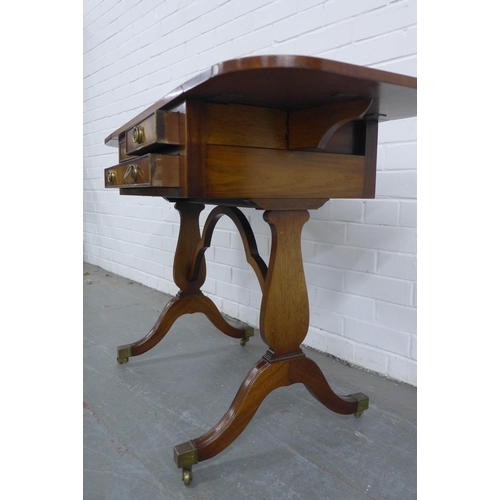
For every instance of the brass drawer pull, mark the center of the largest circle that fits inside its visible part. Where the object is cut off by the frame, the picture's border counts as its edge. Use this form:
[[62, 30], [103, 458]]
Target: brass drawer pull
[[161, 128], [138, 134], [150, 170], [132, 171]]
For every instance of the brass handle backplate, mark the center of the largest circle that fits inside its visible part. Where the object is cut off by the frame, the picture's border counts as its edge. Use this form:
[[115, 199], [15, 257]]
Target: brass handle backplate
[[132, 171], [111, 176], [138, 134]]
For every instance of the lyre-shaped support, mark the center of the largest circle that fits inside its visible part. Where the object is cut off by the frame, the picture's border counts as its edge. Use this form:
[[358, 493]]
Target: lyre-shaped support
[[246, 233], [190, 299], [284, 321]]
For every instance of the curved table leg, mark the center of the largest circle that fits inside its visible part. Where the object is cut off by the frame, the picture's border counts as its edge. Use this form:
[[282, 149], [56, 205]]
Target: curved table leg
[[284, 320], [264, 377], [307, 372], [189, 299], [177, 307], [210, 310]]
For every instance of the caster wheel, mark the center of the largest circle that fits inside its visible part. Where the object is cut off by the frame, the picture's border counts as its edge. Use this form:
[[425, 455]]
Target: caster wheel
[[187, 475], [363, 403], [124, 352], [248, 333]]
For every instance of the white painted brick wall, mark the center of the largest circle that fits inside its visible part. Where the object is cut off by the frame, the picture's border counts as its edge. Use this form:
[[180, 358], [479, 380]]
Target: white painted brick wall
[[359, 255]]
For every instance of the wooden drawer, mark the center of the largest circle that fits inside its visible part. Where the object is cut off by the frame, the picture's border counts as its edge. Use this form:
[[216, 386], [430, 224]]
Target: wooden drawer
[[150, 170], [159, 129]]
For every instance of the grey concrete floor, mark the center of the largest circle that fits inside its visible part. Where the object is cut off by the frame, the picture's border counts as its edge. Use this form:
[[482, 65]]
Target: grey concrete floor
[[294, 448]]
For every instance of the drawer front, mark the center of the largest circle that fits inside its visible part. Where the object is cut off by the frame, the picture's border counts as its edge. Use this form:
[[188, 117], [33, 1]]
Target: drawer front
[[159, 129], [146, 171]]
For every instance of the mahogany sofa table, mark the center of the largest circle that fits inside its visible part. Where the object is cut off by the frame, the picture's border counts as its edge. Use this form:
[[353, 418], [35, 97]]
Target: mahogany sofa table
[[281, 134]]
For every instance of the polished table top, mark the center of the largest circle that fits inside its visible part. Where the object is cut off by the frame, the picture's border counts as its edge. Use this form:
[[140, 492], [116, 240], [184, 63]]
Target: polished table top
[[263, 128], [292, 82]]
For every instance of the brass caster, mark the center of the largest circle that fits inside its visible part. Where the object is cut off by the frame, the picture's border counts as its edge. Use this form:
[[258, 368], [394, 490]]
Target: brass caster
[[187, 475], [124, 352], [185, 456], [363, 402], [248, 333]]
